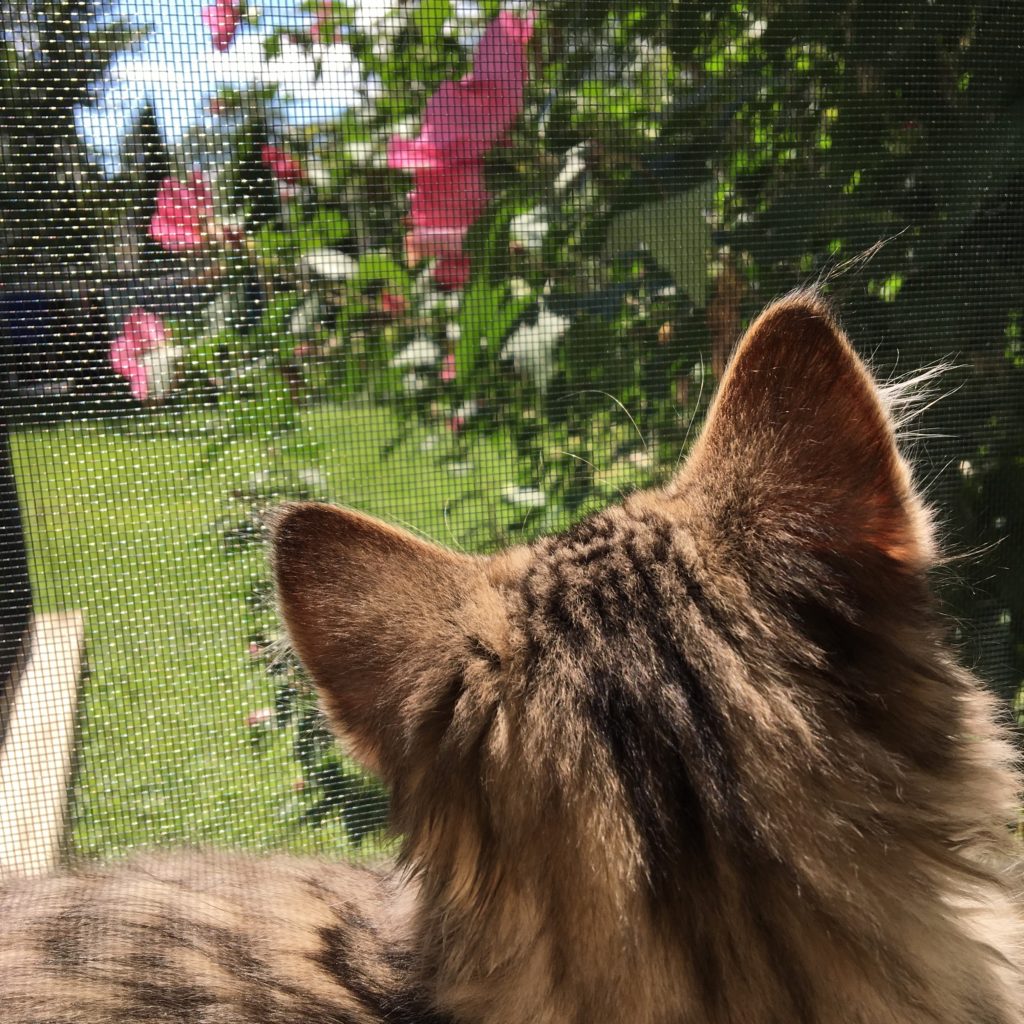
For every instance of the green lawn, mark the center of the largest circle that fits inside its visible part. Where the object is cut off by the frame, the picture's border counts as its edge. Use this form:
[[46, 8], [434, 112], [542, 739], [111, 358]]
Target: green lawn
[[126, 520]]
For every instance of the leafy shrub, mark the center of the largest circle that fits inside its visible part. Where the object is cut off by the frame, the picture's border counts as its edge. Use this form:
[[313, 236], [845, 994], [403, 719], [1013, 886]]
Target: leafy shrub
[[657, 171]]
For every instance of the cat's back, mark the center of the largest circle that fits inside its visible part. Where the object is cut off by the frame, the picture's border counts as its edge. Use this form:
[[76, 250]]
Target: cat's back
[[207, 937]]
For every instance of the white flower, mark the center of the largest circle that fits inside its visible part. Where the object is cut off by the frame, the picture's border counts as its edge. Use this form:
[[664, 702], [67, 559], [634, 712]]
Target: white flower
[[360, 152], [531, 347], [318, 174], [524, 497], [413, 382], [575, 164], [529, 229], [331, 264], [421, 352], [370, 12], [161, 364], [313, 477], [520, 288], [305, 316]]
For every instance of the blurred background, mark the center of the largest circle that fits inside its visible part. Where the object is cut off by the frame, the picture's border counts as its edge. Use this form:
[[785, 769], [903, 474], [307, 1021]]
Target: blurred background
[[473, 268]]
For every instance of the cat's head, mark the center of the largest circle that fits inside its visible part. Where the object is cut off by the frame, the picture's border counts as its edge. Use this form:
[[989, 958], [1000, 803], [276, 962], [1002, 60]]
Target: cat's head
[[708, 667]]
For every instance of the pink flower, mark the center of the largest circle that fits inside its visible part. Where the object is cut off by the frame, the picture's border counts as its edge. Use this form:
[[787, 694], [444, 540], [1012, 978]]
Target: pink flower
[[392, 304], [282, 164], [222, 18], [182, 212], [501, 53], [453, 267], [443, 206], [447, 373], [452, 272], [461, 122], [142, 332], [449, 196], [464, 119]]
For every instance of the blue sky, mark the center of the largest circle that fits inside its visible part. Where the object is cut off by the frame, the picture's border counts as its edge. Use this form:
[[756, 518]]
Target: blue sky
[[177, 69]]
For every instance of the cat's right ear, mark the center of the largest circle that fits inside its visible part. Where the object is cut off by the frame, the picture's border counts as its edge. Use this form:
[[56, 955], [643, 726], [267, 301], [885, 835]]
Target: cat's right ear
[[799, 446], [373, 613]]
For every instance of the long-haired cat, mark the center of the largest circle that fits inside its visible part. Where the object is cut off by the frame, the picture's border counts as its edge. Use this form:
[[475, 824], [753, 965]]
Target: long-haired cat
[[705, 758]]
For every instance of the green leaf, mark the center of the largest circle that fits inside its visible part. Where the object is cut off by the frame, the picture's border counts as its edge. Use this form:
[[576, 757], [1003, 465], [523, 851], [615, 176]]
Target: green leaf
[[272, 46], [379, 266], [676, 233]]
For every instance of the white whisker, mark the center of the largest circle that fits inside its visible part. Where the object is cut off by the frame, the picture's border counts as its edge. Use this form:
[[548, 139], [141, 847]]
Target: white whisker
[[693, 416], [448, 526], [598, 391]]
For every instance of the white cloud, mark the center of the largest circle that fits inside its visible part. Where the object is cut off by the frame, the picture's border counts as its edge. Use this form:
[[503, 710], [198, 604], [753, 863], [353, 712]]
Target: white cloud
[[177, 71], [328, 78]]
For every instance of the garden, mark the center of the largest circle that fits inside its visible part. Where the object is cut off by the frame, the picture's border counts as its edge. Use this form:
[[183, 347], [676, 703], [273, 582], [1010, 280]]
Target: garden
[[474, 268]]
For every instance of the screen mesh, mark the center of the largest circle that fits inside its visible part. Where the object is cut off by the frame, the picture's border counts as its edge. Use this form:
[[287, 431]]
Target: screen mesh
[[472, 268]]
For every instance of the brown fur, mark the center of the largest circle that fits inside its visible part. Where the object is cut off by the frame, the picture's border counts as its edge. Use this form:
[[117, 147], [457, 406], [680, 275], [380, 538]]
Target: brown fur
[[703, 758]]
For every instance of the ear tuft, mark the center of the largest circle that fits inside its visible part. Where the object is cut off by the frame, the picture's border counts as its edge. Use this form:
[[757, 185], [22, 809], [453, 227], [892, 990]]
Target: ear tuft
[[800, 424]]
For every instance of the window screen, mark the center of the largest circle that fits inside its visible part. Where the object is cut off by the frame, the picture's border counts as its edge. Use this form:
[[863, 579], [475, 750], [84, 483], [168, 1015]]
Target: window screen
[[471, 267]]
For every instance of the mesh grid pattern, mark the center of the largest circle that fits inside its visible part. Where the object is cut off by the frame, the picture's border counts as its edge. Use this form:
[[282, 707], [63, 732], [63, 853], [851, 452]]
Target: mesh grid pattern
[[473, 269]]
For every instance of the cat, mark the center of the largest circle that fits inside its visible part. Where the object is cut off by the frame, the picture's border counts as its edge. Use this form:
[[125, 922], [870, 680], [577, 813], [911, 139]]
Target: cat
[[704, 758]]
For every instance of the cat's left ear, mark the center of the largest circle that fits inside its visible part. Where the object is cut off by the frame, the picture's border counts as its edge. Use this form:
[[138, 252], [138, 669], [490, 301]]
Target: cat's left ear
[[799, 443], [379, 619]]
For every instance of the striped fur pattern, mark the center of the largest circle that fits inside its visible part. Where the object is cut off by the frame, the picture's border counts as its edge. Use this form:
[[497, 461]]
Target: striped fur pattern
[[705, 758]]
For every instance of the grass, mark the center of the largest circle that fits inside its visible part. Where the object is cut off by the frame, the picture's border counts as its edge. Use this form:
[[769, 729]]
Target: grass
[[126, 521]]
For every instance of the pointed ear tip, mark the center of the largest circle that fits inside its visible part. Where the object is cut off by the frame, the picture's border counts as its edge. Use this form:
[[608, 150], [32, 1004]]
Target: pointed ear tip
[[797, 332], [300, 530], [811, 299], [284, 522], [799, 306]]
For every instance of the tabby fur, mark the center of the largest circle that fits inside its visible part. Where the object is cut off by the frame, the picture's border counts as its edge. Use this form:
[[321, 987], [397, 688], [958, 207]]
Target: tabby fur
[[704, 758]]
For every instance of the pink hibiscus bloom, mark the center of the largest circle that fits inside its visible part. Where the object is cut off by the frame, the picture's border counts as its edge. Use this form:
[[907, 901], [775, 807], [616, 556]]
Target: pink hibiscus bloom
[[142, 332], [282, 164], [425, 243], [461, 122], [443, 206], [182, 212], [222, 18], [393, 304], [451, 196], [447, 374], [445, 245], [464, 119], [452, 272], [501, 53]]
